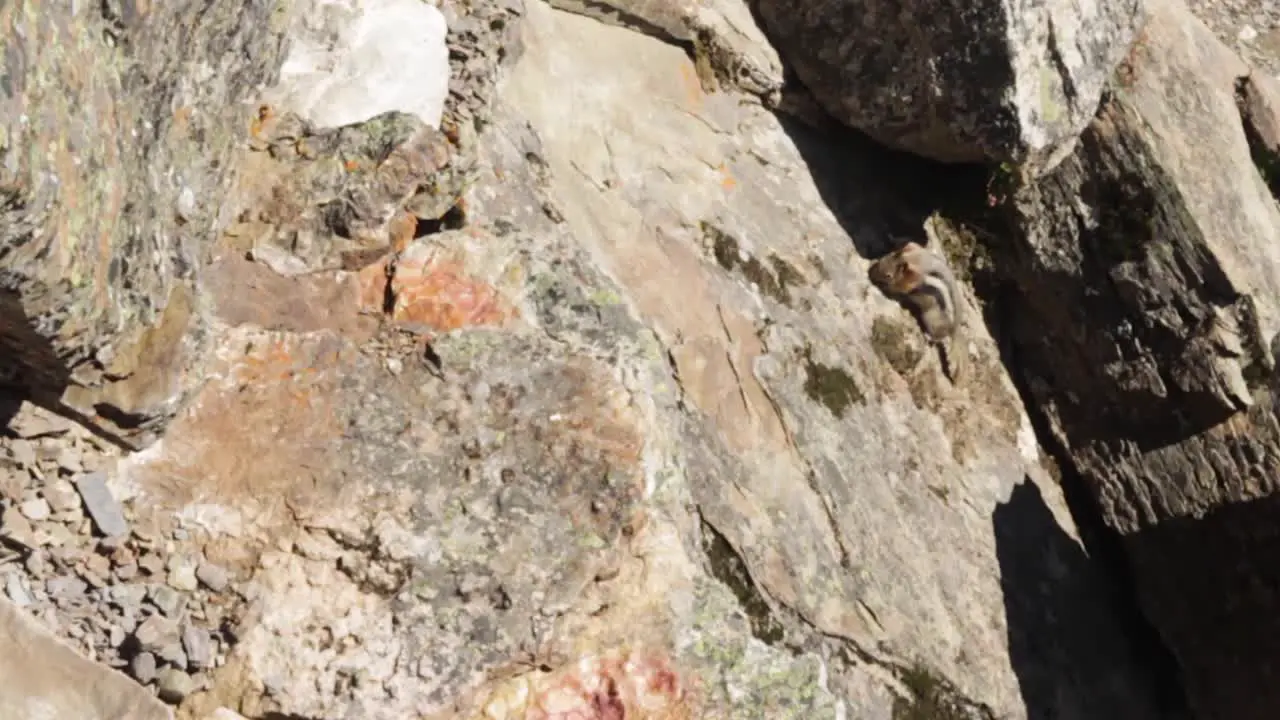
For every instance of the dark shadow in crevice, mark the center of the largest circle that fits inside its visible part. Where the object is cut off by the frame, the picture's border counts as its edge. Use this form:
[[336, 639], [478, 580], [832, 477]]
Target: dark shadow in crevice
[[1078, 644], [10, 403], [1213, 582], [454, 219], [1249, 103], [878, 194], [31, 371]]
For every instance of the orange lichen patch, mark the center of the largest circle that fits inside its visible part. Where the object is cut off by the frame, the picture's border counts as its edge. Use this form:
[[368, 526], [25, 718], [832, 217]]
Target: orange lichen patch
[[439, 294], [692, 83], [401, 229], [372, 281], [182, 120], [727, 180], [634, 685], [351, 165], [262, 436], [261, 121]]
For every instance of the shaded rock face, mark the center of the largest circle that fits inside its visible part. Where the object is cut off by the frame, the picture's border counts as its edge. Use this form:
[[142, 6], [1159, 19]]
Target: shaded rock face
[[957, 82], [103, 228], [1138, 288]]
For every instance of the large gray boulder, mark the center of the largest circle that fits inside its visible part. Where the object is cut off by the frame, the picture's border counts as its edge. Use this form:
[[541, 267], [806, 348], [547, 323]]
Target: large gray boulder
[[957, 82]]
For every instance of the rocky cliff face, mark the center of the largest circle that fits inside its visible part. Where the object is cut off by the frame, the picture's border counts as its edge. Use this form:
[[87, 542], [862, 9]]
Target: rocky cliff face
[[532, 369]]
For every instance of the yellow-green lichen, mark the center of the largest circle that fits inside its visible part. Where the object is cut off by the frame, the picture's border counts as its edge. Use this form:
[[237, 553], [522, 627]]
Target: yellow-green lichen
[[730, 569], [890, 342], [775, 283], [932, 698], [830, 386], [605, 298]]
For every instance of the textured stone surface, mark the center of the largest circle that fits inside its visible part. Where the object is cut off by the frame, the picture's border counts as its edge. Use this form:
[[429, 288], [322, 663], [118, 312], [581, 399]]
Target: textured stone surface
[[582, 402], [626, 427], [101, 505], [1145, 273], [957, 82], [103, 231]]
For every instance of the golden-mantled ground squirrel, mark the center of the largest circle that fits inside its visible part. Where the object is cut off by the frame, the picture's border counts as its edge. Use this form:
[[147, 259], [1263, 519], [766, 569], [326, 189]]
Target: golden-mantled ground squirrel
[[918, 278]]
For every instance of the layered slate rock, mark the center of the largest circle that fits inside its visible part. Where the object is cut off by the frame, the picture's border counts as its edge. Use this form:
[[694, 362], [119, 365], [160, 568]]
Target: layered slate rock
[[957, 81], [114, 154], [1140, 287]]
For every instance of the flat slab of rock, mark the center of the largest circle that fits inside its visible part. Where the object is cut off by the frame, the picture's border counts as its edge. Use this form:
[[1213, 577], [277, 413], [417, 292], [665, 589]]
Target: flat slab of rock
[[105, 510], [44, 678]]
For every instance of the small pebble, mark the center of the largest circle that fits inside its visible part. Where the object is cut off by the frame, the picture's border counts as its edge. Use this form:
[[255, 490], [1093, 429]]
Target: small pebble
[[173, 654], [213, 576], [198, 647], [13, 525], [69, 460], [182, 573], [98, 565], [127, 572], [66, 586], [174, 685], [56, 535], [37, 509], [128, 596], [62, 496], [168, 600], [151, 564], [143, 667], [102, 506], [36, 564], [73, 519], [156, 633], [22, 452], [16, 590]]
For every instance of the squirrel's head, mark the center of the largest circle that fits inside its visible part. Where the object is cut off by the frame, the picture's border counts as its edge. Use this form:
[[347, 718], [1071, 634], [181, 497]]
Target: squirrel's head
[[897, 271]]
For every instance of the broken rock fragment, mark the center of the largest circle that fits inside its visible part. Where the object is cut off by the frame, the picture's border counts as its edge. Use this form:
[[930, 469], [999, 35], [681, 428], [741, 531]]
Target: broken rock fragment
[[105, 510], [957, 82]]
